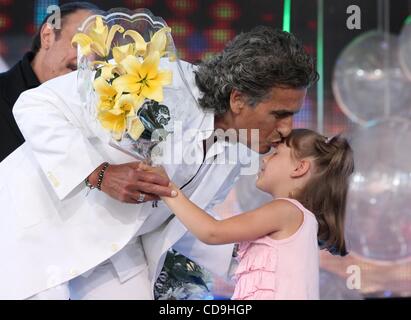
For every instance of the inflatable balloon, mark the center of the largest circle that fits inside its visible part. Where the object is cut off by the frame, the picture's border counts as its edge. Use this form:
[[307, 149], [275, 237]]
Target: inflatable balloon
[[368, 81], [405, 48], [378, 208]]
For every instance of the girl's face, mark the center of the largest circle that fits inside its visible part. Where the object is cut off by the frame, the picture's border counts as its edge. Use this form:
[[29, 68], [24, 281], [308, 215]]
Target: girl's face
[[276, 170]]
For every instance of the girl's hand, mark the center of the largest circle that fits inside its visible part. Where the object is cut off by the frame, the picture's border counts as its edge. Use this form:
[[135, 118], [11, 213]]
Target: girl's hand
[[160, 171]]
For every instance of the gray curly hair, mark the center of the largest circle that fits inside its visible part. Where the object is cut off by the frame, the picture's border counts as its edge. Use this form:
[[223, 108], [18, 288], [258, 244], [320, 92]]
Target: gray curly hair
[[253, 63]]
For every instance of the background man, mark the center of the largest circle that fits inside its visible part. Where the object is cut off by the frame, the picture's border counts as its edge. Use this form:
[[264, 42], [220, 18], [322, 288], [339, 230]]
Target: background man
[[51, 56]]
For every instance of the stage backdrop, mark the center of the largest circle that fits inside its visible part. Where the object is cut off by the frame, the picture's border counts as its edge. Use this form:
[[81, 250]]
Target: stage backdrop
[[201, 28]]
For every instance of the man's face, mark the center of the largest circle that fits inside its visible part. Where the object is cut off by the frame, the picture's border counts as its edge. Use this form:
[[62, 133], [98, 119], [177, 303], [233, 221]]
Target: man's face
[[273, 117], [61, 57]]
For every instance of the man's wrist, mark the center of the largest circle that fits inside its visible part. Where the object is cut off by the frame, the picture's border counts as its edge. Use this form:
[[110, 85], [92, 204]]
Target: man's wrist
[[101, 175], [92, 181]]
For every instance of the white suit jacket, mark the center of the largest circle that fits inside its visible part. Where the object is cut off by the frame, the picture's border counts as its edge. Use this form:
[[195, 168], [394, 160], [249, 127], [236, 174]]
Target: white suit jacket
[[52, 232]]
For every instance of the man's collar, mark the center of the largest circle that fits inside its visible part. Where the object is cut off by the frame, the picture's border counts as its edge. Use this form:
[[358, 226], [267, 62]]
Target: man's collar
[[30, 77], [206, 126]]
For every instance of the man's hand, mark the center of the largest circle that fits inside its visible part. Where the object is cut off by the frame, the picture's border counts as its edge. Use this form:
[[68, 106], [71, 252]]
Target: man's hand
[[125, 182], [158, 170]]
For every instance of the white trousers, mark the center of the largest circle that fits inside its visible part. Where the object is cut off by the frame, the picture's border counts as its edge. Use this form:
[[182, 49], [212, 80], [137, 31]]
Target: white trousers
[[101, 284]]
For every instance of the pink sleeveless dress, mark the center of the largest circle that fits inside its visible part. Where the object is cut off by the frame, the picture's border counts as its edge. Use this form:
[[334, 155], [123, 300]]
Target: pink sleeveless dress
[[283, 269]]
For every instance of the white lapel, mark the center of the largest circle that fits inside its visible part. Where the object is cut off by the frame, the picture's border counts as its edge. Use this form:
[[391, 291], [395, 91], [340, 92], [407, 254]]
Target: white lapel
[[157, 243]]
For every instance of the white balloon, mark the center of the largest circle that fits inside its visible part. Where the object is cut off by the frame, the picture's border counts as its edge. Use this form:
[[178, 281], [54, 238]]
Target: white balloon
[[368, 82], [405, 48], [334, 287], [378, 208], [3, 65]]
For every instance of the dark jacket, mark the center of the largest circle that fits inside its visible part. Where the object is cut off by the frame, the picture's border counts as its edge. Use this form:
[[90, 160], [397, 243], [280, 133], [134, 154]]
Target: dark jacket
[[12, 83]]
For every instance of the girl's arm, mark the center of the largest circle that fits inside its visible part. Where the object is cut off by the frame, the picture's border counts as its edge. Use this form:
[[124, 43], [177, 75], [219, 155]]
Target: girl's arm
[[274, 216]]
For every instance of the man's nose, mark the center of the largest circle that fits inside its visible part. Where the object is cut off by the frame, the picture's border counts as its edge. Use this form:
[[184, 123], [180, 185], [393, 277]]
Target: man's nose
[[72, 52], [285, 126]]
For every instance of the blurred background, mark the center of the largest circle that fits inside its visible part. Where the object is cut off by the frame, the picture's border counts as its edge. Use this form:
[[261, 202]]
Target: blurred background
[[364, 93]]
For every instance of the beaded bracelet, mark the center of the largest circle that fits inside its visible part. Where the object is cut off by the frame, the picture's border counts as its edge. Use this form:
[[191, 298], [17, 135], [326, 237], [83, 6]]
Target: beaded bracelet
[[101, 175], [100, 178]]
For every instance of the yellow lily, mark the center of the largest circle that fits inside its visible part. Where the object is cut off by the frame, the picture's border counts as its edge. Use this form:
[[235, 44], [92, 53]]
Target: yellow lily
[[98, 39], [115, 123], [143, 78], [106, 94], [123, 114], [140, 44], [121, 52], [107, 69], [135, 128], [158, 42], [128, 104]]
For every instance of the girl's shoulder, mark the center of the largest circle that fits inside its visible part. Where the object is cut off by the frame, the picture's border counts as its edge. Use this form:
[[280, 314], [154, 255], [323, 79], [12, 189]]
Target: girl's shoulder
[[287, 206], [292, 206], [292, 214]]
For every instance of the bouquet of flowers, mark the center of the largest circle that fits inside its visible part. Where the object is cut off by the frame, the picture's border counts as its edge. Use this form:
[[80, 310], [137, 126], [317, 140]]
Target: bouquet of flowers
[[122, 80], [182, 279]]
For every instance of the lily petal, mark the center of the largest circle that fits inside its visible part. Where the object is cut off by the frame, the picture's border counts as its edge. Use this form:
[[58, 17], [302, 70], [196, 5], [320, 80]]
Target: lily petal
[[139, 42], [105, 104], [99, 32], [115, 123], [132, 65], [153, 92], [116, 111], [125, 102], [107, 71], [99, 26], [138, 101], [84, 41], [98, 49], [103, 88], [119, 53], [127, 83], [159, 40], [113, 30], [135, 128], [164, 77], [149, 68]]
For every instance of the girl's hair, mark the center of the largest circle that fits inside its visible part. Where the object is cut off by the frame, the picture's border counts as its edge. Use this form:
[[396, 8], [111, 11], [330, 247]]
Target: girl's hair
[[325, 194]]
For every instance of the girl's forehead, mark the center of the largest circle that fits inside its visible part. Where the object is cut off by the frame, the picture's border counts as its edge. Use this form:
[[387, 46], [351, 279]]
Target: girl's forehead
[[283, 146], [284, 149]]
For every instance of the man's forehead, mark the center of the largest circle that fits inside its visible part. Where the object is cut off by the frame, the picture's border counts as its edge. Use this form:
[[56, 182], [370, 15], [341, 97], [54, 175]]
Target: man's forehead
[[287, 94], [287, 100], [74, 20]]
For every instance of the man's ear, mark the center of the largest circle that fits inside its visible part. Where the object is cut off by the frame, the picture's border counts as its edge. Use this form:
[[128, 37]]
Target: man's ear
[[236, 101], [302, 168], [46, 36]]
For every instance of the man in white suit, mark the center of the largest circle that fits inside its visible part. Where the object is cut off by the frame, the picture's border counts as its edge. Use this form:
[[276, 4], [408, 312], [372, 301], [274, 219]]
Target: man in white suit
[[58, 243]]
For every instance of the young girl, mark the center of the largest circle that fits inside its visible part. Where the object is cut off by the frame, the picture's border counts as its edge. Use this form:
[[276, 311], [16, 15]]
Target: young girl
[[308, 177]]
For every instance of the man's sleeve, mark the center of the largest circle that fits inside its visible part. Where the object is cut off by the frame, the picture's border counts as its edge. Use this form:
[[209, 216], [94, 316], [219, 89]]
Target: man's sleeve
[[214, 258], [58, 143], [218, 259]]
